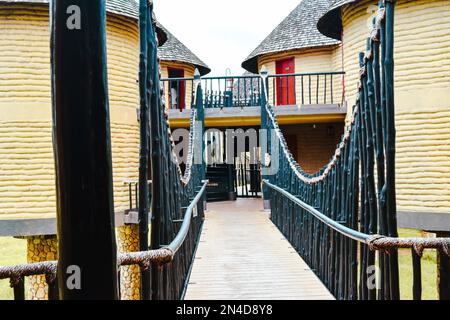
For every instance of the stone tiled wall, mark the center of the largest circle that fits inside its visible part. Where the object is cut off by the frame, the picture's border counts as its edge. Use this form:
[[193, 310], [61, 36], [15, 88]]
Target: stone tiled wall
[[39, 249], [130, 276]]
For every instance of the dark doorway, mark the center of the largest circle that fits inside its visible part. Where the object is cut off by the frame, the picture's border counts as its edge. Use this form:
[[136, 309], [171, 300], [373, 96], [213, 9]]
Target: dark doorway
[[177, 90], [234, 173]]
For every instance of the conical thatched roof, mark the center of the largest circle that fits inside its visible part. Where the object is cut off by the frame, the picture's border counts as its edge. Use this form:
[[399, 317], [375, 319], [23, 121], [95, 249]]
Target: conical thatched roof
[[127, 8], [175, 50], [297, 31]]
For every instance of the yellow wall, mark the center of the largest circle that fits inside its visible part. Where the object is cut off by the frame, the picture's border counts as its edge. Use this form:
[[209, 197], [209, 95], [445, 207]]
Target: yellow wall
[[422, 73], [308, 61], [189, 70], [27, 182]]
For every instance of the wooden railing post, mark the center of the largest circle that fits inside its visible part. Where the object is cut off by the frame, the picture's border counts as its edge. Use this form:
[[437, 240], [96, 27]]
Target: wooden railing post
[[144, 152], [199, 154], [87, 267], [264, 132], [390, 144]]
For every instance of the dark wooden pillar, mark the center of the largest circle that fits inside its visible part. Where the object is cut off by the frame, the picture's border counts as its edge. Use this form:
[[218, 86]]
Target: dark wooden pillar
[[144, 153], [87, 266]]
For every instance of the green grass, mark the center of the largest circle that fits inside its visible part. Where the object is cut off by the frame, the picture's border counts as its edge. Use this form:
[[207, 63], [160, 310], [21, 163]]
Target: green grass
[[429, 272], [12, 251]]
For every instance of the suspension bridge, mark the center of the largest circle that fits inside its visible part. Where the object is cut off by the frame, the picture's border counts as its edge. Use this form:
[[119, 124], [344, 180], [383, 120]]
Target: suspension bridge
[[320, 239]]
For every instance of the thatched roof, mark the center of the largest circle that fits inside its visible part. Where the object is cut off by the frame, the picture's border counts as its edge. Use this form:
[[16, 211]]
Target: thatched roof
[[171, 49], [330, 23], [175, 50], [297, 31], [127, 8]]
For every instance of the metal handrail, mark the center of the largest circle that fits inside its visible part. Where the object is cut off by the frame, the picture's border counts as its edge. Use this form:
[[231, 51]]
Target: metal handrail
[[181, 236], [306, 74], [375, 242]]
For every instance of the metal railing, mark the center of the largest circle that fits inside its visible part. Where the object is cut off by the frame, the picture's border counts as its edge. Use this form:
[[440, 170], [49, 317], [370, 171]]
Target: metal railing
[[219, 92], [231, 91], [306, 88], [245, 91], [342, 220]]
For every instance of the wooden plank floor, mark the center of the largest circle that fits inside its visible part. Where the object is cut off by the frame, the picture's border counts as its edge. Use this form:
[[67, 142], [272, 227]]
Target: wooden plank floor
[[242, 255]]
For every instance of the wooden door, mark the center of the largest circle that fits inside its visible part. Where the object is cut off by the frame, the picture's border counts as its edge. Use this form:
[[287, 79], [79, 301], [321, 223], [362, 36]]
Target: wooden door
[[285, 85]]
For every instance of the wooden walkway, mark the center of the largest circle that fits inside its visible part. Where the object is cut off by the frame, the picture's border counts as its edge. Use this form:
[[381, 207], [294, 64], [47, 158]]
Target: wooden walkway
[[242, 255]]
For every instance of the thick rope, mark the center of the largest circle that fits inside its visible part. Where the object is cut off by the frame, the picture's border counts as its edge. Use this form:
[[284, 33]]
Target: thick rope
[[378, 242]]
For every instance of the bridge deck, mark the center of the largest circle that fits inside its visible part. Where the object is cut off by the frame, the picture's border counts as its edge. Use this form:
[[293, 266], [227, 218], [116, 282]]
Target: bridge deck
[[242, 255]]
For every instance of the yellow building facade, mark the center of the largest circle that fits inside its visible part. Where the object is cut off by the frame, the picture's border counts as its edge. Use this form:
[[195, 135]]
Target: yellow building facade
[[27, 180], [27, 172], [422, 91], [307, 61], [296, 47]]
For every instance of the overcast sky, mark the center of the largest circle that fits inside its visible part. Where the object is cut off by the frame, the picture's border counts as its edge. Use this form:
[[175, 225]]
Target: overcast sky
[[222, 32]]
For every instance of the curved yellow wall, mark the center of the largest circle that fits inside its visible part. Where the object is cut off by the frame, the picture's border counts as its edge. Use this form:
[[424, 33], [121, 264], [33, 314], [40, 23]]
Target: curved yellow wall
[[307, 61], [189, 70], [422, 73], [27, 181]]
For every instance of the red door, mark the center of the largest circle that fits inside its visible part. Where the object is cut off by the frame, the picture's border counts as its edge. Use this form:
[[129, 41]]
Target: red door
[[177, 92], [285, 85]]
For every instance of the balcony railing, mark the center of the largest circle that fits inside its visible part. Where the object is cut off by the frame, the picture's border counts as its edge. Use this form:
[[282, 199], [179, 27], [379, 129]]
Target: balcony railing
[[245, 91], [306, 88]]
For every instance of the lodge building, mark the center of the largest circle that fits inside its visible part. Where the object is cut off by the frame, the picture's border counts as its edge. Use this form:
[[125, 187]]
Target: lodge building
[[27, 179], [327, 36], [25, 100], [295, 46], [311, 59], [422, 98]]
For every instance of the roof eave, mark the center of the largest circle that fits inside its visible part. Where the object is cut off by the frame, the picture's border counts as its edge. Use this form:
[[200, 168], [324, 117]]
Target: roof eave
[[330, 24]]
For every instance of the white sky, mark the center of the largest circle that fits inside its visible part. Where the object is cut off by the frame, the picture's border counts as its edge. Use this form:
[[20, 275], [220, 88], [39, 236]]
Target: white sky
[[222, 32]]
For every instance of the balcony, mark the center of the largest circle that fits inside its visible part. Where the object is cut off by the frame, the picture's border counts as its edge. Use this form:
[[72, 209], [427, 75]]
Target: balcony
[[230, 101]]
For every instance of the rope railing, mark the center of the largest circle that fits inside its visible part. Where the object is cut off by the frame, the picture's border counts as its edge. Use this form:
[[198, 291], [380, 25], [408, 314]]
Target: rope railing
[[342, 220]]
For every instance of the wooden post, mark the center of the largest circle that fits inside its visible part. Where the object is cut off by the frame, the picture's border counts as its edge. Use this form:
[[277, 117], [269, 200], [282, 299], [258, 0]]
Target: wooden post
[[144, 151], [159, 189], [391, 204], [264, 131], [87, 267], [200, 154]]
